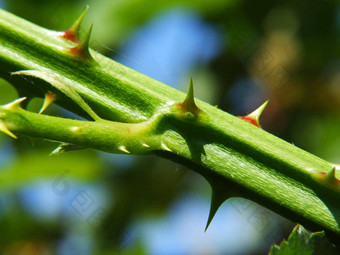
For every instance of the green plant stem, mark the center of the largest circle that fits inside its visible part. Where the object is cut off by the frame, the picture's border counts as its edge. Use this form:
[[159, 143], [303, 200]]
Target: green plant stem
[[232, 154]]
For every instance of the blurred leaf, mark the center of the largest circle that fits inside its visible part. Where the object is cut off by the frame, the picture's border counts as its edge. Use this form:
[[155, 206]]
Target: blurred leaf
[[32, 166], [116, 19], [22, 229], [113, 20], [152, 181], [301, 242], [7, 92], [137, 248], [320, 135], [52, 14]]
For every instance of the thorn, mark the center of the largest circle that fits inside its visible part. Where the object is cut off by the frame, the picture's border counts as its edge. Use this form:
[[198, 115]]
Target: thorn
[[25, 103], [22, 93], [216, 202], [189, 104], [145, 145], [4, 129], [123, 148], [57, 151], [65, 147], [49, 99], [331, 176], [72, 34], [82, 49], [336, 169], [165, 147], [15, 105], [254, 117], [218, 197]]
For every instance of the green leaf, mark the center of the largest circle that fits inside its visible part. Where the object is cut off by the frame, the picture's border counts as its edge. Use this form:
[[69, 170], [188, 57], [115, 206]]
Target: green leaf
[[301, 242]]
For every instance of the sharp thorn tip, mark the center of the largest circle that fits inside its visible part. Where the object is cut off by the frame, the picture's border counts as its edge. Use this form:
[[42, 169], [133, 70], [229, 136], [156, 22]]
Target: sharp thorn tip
[[254, 117], [82, 50], [5, 130], [72, 34], [165, 147], [189, 104], [49, 99], [123, 149], [145, 145], [15, 104]]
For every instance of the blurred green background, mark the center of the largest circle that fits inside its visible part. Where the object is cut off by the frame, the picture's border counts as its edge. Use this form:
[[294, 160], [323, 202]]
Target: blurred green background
[[239, 53]]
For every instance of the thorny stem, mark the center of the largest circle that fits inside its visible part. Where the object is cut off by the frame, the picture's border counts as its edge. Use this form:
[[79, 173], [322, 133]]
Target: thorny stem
[[235, 156]]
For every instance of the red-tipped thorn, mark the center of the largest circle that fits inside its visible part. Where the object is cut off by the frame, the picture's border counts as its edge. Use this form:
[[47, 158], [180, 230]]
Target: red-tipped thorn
[[336, 169], [82, 49], [189, 105], [72, 34], [331, 177], [49, 99], [254, 117]]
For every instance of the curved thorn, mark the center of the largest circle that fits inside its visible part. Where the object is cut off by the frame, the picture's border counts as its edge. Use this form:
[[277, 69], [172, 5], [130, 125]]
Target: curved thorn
[[72, 34], [219, 194], [216, 201], [145, 145], [123, 148], [258, 112], [49, 99], [5, 130], [82, 49], [254, 117], [15, 104]]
